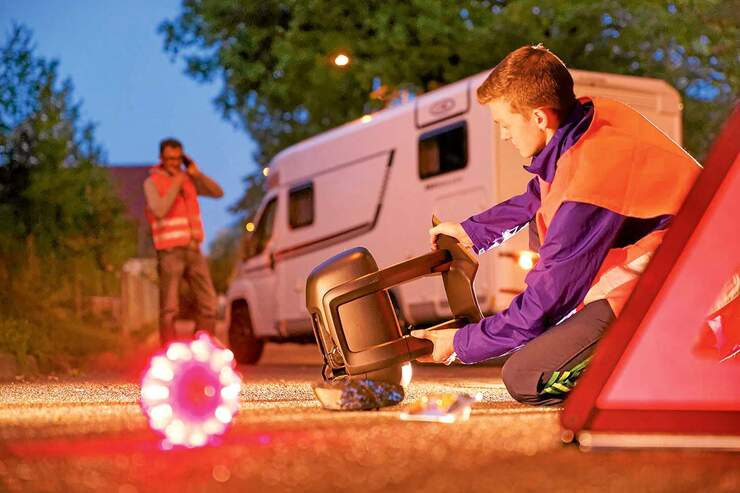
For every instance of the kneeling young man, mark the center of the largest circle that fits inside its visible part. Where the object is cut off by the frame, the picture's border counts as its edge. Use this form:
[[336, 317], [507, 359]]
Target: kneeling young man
[[607, 183]]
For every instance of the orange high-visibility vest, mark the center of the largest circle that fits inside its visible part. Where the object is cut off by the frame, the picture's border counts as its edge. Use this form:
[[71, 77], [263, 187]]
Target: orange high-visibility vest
[[625, 164], [182, 223]]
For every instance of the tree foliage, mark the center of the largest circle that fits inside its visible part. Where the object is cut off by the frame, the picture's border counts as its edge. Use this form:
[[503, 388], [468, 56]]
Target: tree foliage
[[62, 229], [274, 56], [224, 253]]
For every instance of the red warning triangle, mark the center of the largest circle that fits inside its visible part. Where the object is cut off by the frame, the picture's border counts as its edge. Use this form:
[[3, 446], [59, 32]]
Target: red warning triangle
[[663, 376]]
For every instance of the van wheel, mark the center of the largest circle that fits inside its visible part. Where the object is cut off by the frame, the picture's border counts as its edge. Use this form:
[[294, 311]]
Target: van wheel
[[247, 349]]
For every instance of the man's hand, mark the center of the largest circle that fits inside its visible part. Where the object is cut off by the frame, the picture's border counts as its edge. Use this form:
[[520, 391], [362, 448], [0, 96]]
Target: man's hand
[[442, 339], [178, 177], [193, 170], [450, 229]]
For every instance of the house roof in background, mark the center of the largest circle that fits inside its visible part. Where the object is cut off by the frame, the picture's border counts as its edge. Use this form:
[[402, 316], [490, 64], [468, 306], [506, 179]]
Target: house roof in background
[[129, 183]]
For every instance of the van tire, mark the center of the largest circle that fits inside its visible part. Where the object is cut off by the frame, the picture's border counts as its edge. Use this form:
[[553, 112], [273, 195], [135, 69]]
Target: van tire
[[246, 347]]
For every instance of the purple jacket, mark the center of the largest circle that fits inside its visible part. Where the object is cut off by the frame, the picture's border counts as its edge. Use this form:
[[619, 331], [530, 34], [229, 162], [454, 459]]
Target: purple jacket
[[577, 241]]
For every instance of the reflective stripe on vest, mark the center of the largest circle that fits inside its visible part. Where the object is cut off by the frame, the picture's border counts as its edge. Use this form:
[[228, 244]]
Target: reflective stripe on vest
[[173, 221], [625, 164], [171, 235]]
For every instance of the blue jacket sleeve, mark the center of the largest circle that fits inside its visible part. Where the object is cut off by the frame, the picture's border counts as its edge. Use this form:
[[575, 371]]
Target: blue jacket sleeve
[[493, 226], [577, 242]]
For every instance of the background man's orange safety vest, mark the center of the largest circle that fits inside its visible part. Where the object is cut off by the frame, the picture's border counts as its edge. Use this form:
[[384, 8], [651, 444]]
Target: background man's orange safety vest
[[182, 223], [625, 164]]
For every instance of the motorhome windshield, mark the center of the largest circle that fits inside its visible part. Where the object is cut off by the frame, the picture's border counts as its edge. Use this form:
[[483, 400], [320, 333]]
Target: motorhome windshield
[[263, 231]]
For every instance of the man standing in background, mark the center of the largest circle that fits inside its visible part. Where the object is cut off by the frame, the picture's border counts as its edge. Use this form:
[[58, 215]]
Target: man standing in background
[[172, 190]]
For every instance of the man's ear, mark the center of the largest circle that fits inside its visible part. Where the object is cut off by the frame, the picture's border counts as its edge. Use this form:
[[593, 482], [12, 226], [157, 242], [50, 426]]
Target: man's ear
[[546, 118]]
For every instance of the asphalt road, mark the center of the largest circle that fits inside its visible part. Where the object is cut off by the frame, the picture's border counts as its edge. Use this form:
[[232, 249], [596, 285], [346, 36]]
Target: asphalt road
[[89, 435]]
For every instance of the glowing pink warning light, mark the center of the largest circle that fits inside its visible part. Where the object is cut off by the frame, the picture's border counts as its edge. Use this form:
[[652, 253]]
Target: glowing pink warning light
[[190, 392]]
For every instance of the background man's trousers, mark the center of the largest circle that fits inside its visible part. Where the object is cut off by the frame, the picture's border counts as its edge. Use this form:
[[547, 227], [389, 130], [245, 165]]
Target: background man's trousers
[[188, 264], [545, 370]]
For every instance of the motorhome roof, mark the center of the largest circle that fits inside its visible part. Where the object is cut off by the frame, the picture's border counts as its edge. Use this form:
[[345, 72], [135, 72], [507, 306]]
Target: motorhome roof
[[319, 142], [344, 130], [358, 125]]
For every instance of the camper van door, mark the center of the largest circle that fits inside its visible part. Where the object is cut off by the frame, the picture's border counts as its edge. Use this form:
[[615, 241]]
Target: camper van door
[[260, 270], [451, 180]]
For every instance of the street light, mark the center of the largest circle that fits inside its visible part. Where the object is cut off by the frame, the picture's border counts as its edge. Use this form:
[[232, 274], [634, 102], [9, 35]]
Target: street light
[[341, 60]]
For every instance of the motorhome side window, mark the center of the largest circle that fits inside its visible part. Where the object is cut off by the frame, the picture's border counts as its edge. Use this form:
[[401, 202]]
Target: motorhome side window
[[263, 231], [443, 150], [300, 206]]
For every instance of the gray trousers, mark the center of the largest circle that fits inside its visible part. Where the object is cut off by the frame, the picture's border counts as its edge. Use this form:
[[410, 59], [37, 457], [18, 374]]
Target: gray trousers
[[545, 370], [188, 264], [547, 367]]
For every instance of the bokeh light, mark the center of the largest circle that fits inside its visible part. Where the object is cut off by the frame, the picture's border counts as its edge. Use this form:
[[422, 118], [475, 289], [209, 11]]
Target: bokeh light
[[527, 259], [341, 60], [190, 391]]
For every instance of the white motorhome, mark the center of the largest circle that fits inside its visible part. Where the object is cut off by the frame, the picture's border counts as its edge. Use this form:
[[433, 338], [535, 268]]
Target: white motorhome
[[375, 182]]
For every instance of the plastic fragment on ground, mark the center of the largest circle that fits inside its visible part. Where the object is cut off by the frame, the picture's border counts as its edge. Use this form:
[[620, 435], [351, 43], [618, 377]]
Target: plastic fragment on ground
[[448, 407], [357, 395]]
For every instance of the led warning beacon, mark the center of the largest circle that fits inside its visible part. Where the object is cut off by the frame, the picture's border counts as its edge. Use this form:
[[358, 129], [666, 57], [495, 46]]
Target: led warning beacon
[[190, 391]]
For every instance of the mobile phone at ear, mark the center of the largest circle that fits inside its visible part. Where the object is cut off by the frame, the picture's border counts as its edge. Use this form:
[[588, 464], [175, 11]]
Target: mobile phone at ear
[[186, 160]]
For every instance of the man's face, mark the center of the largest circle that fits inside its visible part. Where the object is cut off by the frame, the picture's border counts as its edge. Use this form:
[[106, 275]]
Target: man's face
[[526, 132], [171, 158]]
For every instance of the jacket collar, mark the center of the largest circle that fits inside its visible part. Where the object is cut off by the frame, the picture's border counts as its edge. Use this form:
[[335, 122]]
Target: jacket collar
[[544, 163]]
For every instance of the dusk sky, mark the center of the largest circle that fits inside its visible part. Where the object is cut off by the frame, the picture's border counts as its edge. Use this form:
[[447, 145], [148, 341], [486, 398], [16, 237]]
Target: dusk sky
[[133, 91]]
